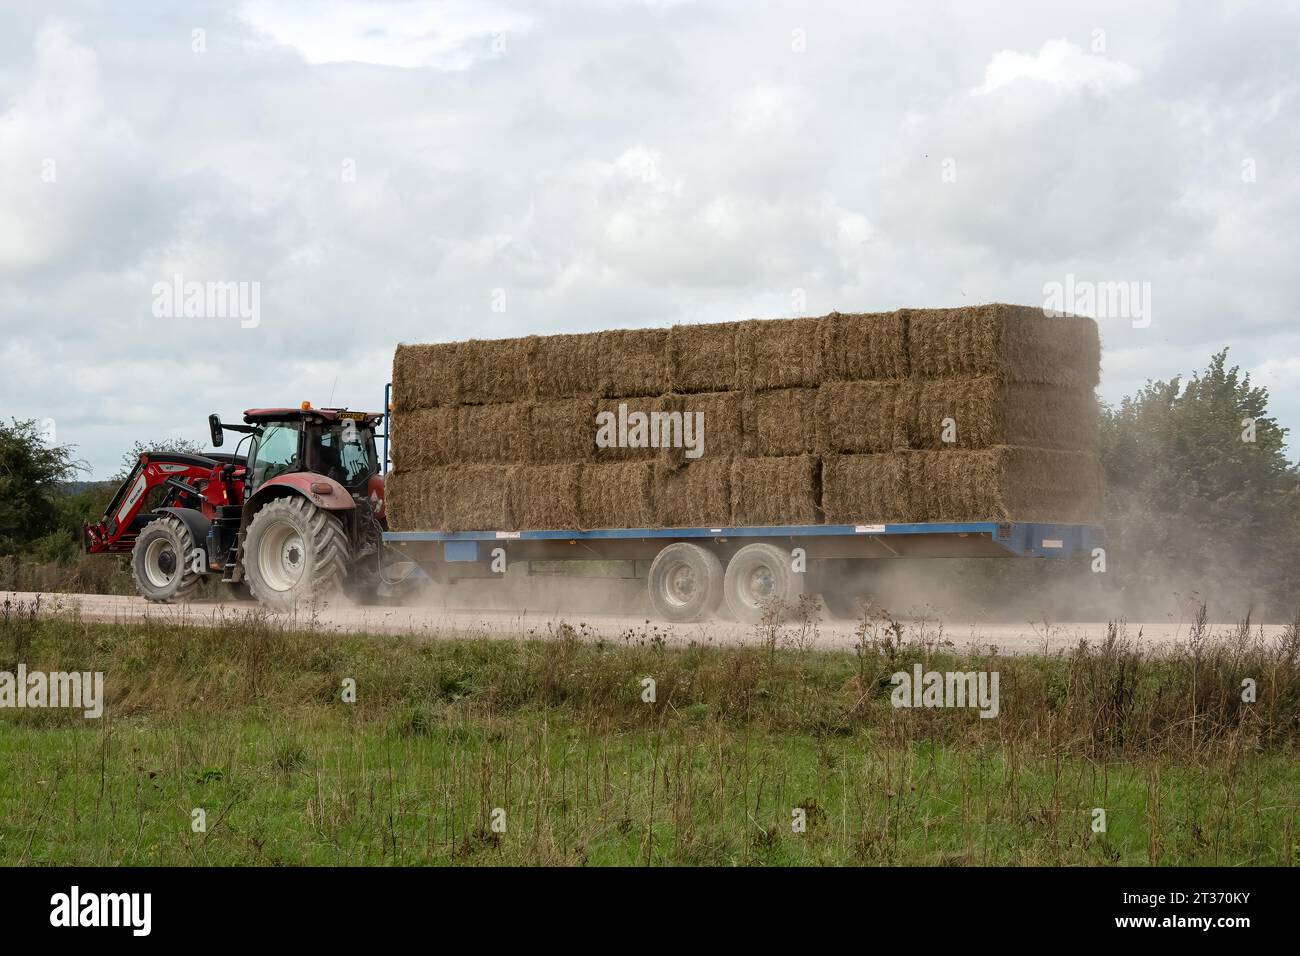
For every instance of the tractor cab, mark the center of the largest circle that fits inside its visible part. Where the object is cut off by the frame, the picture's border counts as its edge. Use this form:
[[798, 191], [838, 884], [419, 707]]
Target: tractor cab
[[331, 442]]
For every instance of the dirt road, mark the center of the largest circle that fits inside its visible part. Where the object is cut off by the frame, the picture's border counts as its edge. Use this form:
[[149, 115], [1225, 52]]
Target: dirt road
[[436, 622]]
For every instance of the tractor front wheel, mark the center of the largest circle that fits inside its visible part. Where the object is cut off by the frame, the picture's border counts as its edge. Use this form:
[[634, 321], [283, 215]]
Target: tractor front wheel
[[161, 561], [295, 553]]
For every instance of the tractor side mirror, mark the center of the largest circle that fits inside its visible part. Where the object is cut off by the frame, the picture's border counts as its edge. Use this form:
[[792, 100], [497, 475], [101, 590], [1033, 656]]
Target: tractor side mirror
[[214, 426]]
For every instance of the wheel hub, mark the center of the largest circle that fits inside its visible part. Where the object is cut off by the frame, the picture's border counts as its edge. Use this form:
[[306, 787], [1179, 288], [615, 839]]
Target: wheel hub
[[160, 562], [282, 557], [680, 584], [761, 584]]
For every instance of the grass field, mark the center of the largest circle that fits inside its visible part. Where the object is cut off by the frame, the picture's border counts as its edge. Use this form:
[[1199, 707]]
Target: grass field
[[544, 751]]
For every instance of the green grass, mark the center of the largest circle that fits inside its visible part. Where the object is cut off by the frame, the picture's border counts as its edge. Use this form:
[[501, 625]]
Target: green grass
[[328, 788], [246, 723]]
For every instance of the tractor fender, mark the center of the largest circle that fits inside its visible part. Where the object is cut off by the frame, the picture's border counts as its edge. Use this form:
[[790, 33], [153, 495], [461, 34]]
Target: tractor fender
[[195, 521], [337, 499]]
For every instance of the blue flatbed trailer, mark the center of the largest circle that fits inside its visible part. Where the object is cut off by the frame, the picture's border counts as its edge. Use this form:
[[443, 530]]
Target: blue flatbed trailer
[[961, 539], [690, 572]]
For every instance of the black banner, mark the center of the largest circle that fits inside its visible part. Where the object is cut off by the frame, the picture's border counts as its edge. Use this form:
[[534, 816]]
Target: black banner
[[334, 906]]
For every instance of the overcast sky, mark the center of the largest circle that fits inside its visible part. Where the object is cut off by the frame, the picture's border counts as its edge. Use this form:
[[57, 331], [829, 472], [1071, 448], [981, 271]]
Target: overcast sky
[[400, 171]]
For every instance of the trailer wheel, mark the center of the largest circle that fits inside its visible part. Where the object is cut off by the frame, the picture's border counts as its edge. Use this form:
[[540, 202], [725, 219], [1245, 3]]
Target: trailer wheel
[[842, 605], [160, 561], [685, 583], [294, 553], [760, 578], [846, 587]]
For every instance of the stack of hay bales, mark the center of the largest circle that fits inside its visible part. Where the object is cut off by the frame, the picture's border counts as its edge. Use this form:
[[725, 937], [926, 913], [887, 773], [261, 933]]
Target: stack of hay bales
[[984, 413]]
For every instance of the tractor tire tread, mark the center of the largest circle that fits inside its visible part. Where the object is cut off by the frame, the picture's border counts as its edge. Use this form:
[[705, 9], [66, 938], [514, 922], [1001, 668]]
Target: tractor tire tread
[[189, 581], [329, 547]]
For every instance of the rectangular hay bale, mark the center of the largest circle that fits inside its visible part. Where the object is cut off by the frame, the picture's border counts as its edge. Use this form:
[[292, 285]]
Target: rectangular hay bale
[[1010, 342], [543, 497], [781, 423], [778, 353], [632, 362], [493, 371], [425, 375], [865, 489], [636, 429], [695, 496], [864, 346], [492, 434], [984, 412], [775, 491], [563, 366], [617, 495], [1005, 483], [722, 424], [413, 500], [561, 431], [858, 417], [423, 438], [702, 358], [475, 497]]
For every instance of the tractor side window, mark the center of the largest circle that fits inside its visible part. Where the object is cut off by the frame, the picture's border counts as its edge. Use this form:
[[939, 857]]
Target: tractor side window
[[353, 455], [277, 450]]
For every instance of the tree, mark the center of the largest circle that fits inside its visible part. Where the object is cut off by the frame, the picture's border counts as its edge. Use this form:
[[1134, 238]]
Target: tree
[[30, 476], [1200, 495]]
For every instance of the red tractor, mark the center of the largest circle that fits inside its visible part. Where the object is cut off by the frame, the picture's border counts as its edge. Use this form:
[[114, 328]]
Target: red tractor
[[294, 517]]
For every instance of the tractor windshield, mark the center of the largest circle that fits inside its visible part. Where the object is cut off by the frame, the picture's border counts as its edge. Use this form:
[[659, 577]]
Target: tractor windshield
[[276, 452]]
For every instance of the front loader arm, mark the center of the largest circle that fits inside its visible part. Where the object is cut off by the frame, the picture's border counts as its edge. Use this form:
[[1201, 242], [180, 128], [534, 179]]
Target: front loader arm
[[183, 475]]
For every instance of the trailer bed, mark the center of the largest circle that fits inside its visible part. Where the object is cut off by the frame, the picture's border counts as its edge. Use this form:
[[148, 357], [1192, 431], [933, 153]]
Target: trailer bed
[[928, 539]]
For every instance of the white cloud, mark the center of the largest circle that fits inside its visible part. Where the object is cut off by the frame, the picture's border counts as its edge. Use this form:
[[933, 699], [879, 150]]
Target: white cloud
[[1060, 64], [854, 227], [770, 108], [59, 143], [398, 33]]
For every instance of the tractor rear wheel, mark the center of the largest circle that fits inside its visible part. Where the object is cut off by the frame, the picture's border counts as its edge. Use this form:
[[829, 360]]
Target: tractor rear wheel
[[295, 553], [160, 561]]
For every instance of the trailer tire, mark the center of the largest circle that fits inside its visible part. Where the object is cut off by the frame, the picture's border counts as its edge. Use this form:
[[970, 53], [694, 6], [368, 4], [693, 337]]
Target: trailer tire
[[761, 585], [846, 587], [841, 605], [295, 553], [685, 583], [161, 561]]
